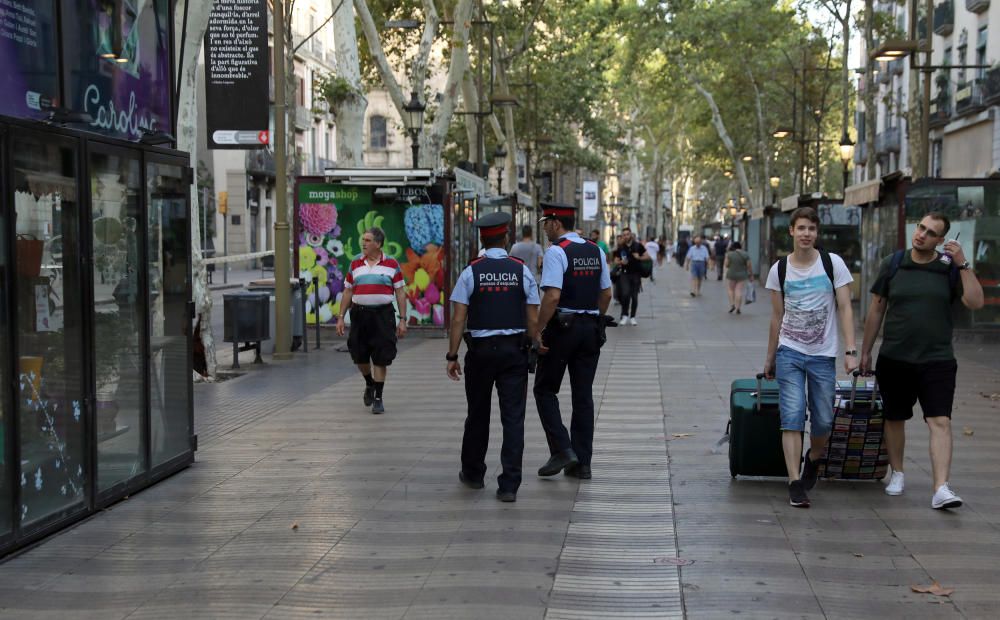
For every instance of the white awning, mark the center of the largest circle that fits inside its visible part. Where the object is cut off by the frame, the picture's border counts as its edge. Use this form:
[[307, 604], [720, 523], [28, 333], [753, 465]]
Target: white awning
[[862, 193], [384, 177], [790, 203]]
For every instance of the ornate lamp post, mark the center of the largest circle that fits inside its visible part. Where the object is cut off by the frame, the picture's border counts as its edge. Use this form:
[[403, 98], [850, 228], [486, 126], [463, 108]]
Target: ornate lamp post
[[414, 121], [846, 154], [499, 160]]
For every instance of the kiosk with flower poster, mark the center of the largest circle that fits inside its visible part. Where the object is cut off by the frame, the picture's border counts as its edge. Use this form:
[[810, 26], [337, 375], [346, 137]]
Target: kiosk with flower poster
[[330, 219]]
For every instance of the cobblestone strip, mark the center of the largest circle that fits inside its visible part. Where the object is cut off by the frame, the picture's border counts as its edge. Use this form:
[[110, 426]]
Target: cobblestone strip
[[617, 559]]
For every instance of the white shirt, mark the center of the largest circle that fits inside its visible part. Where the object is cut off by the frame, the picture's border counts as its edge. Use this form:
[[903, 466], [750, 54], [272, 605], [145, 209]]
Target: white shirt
[[652, 248], [809, 325]]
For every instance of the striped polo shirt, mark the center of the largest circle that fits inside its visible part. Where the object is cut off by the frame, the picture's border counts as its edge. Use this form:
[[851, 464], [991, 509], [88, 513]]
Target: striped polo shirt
[[373, 286]]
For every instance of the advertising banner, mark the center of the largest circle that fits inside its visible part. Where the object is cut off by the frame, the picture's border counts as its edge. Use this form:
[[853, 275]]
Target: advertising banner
[[29, 59], [590, 200], [116, 61], [331, 220], [236, 75]]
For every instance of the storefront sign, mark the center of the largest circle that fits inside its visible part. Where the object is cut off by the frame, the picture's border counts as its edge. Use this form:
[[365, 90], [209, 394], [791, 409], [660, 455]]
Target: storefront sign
[[117, 64], [236, 75], [29, 64]]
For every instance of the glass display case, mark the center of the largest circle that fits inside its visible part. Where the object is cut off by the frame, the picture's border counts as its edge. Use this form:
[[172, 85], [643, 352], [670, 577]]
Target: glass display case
[[95, 350]]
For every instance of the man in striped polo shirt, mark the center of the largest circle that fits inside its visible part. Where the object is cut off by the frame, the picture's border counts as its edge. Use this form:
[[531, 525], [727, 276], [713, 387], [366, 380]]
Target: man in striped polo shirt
[[370, 284]]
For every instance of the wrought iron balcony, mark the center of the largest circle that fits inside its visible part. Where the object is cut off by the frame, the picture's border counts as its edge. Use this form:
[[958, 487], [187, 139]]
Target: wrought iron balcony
[[977, 6], [991, 85], [260, 162], [969, 98], [940, 112], [887, 141], [303, 119], [944, 18]]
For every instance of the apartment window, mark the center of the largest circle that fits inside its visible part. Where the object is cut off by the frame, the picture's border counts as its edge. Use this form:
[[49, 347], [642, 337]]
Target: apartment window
[[946, 58], [937, 150], [981, 53], [326, 144], [377, 138], [302, 92], [962, 54]]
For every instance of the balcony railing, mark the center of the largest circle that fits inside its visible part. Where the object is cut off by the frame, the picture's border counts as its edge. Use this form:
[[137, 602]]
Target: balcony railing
[[260, 162], [940, 112], [991, 85], [944, 18], [887, 141], [861, 153], [303, 119], [969, 98], [977, 6]]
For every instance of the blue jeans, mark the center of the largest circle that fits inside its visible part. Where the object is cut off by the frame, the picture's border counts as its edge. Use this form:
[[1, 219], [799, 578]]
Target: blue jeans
[[794, 371]]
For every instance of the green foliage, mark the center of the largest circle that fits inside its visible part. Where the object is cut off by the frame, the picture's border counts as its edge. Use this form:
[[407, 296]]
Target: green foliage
[[334, 89]]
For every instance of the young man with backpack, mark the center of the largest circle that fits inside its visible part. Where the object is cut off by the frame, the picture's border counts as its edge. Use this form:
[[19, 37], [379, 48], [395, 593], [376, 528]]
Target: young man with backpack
[[913, 294], [810, 295]]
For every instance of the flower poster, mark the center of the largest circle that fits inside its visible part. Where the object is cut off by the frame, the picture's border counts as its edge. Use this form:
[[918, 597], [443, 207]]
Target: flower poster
[[331, 220]]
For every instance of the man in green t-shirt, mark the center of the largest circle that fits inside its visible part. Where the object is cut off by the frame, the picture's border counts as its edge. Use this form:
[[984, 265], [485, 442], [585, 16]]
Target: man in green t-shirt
[[916, 361], [595, 236]]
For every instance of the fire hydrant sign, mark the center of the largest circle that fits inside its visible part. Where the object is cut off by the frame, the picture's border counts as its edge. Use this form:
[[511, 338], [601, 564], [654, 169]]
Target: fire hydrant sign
[[236, 75]]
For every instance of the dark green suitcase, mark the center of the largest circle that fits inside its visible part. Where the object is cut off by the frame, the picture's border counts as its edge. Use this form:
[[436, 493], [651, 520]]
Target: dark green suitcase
[[755, 429]]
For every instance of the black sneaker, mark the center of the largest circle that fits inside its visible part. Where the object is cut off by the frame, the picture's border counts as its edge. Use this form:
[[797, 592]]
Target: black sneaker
[[810, 471], [369, 395], [797, 494], [506, 496], [377, 406], [472, 483]]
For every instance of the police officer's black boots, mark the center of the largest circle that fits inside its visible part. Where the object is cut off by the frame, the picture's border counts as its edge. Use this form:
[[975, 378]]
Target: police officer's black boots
[[557, 462]]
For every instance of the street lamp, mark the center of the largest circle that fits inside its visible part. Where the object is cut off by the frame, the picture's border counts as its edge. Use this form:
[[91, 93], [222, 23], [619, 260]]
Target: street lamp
[[782, 132], [846, 154], [499, 160], [414, 121], [775, 183]]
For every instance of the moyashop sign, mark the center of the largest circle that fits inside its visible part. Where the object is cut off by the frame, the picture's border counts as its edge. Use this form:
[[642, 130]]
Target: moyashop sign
[[115, 62]]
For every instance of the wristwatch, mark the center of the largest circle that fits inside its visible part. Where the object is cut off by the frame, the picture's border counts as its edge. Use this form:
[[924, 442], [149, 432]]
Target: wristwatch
[[851, 352], [451, 357], [964, 266]]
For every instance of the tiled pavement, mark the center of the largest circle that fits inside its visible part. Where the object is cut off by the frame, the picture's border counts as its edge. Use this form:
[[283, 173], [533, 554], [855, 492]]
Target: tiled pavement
[[303, 505]]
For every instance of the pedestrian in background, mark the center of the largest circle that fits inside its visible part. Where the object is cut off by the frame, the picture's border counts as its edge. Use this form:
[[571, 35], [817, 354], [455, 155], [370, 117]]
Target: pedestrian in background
[[595, 236], [738, 269], [495, 310], [577, 291], [371, 282], [720, 249], [810, 294], [528, 251], [914, 294], [696, 261], [661, 254], [627, 256], [653, 251]]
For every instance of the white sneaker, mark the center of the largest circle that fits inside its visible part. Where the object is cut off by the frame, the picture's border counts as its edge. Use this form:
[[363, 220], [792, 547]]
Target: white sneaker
[[945, 498], [622, 322], [895, 486], [632, 321]]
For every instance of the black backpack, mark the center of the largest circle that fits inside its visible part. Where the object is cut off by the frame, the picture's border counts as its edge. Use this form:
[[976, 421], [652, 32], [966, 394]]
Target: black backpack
[[827, 267], [953, 274]]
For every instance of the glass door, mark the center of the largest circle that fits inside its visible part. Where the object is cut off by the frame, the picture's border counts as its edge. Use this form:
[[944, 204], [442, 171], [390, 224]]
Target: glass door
[[6, 418], [168, 248], [119, 350], [49, 336]]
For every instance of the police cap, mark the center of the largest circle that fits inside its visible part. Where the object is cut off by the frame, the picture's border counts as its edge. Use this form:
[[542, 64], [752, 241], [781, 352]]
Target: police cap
[[493, 224], [552, 210]]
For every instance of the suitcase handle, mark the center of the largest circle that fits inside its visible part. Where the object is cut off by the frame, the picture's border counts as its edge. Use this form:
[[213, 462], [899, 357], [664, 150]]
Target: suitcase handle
[[854, 386], [760, 388]]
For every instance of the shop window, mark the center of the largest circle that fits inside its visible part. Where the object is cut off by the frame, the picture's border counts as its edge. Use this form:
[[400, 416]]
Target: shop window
[[49, 380], [169, 290], [119, 353], [377, 132]]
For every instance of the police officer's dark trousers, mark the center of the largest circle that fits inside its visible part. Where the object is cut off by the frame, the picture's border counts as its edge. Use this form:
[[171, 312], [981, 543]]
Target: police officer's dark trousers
[[500, 361], [577, 348]]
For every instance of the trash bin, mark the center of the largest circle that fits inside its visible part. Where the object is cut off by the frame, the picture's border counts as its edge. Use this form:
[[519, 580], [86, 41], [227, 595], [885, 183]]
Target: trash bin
[[246, 319], [297, 310]]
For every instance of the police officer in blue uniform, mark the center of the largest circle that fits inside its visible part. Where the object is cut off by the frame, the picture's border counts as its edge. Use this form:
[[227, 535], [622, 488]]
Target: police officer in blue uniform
[[495, 310], [576, 289]]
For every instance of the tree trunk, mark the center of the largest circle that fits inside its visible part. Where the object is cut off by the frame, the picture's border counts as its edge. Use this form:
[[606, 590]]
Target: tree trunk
[[762, 150], [187, 140], [457, 70], [720, 128], [350, 113], [869, 93]]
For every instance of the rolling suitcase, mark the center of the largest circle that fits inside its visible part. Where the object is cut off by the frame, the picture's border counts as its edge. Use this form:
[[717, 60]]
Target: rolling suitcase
[[857, 448], [755, 429]]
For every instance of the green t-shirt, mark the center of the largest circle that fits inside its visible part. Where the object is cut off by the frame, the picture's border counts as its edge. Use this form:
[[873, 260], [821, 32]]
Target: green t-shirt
[[918, 322], [738, 260], [604, 247]]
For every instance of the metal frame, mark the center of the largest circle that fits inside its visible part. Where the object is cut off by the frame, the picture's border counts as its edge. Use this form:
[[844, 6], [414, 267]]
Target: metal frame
[[86, 144]]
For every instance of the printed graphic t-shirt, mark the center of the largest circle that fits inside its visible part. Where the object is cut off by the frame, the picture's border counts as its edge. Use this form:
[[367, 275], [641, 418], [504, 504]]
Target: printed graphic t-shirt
[[810, 322]]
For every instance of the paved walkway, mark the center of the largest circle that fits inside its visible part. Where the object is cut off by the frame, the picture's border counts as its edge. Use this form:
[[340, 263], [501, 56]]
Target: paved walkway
[[301, 504]]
